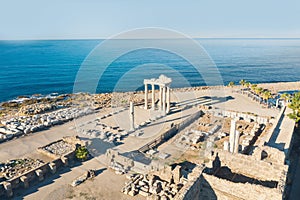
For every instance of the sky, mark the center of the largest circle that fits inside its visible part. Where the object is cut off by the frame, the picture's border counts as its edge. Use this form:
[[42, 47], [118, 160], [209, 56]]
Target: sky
[[79, 19]]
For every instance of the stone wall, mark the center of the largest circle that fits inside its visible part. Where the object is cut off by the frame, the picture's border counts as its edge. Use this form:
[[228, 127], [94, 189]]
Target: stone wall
[[170, 132], [203, 186], [38, 174], [73, 140], [159, 140], [245, 116], [113, 156], [225, 189], [192, 189], [189, 120], [271, 154], [249, 166]]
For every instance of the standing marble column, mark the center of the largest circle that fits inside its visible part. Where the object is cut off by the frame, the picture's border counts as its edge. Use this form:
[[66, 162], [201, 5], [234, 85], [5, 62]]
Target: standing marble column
[[232, 136], [164, 99], [226, 145], [277, 103], [236, 142], [153, 97], [168, 99], [131, 116], [160, 97], [146, 96]]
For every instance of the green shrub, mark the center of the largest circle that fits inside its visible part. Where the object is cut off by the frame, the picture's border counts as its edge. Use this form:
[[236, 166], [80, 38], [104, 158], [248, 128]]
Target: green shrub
[[81, 153]]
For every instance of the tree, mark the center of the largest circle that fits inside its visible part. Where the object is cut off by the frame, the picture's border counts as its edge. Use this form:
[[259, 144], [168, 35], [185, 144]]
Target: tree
[[231, 84], [81, 153], [253, 87], [295, 106], [247, 84], [259, 90], [266, 95], [286, 97], [242, 82]]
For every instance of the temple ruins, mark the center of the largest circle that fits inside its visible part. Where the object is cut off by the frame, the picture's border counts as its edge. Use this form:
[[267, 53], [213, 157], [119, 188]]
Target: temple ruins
[[164, 93]]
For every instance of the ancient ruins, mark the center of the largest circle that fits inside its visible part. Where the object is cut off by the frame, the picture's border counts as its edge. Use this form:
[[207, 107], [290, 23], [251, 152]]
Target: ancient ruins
[[23, 172], [164, 92], [183, 145]]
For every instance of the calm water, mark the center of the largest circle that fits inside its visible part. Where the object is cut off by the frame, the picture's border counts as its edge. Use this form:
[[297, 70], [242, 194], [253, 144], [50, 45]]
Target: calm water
[[43, 67]]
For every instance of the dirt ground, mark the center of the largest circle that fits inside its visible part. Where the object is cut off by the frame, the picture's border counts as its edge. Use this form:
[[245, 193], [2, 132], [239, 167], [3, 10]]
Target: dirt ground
[[95, 189]]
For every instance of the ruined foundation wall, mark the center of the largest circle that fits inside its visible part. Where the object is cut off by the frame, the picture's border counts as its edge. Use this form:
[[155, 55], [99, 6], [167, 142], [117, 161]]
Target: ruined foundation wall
[[247, 165], [127, 163], [171, 132], [192, 189], [37, 174], [224, 189], [235, 114], [189, 120]]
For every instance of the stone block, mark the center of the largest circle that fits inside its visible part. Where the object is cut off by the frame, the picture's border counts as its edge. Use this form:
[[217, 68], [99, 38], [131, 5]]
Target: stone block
[[143, 193], [177, 174], [132, 193], [8, 188], [52, 167], [65, 160], [25, 181], [39, 174]]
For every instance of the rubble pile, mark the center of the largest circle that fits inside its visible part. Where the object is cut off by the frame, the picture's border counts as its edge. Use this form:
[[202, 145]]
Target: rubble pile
[[40, 108], [150, 185], [28, 124]]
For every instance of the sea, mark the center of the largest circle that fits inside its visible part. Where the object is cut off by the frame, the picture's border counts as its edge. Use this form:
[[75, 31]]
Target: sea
[[51, 66]]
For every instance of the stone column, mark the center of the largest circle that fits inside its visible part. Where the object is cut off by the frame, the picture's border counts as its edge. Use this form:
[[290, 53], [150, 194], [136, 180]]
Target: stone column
[[226, 144], [236, 141], [164, 99], [177, 174], [153, 97], [131, 116], [146, 96], [277, 103], [160, 97], [232, 136], [168, 99]]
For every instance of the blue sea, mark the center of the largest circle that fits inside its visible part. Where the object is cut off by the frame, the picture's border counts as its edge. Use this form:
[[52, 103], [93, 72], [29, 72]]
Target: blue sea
[[51, 66]]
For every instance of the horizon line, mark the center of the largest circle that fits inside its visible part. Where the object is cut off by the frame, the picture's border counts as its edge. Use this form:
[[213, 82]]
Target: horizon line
[[148, 38]]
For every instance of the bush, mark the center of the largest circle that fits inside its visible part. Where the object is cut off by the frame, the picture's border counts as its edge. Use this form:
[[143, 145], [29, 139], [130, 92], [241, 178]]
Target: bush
[[81, 153]]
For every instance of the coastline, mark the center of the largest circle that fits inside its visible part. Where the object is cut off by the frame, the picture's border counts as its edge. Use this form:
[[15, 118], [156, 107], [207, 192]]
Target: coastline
[[22, 104], [27, 115], [273, 87]]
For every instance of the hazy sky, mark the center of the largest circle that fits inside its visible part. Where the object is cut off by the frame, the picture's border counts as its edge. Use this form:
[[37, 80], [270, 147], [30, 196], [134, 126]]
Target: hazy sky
[[60, 19]]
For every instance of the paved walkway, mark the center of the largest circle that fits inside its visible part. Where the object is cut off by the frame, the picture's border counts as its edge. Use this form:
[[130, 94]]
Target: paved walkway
[[282, 135]]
